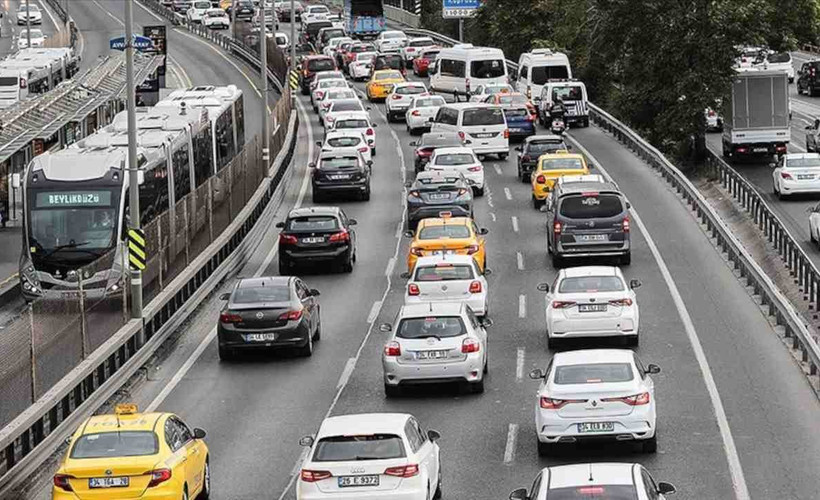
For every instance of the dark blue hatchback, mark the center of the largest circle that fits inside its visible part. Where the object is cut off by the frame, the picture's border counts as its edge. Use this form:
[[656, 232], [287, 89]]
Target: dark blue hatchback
[[519, 122]]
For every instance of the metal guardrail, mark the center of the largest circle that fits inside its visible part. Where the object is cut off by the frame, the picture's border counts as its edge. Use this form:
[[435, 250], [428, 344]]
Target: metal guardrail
[[58, 9]]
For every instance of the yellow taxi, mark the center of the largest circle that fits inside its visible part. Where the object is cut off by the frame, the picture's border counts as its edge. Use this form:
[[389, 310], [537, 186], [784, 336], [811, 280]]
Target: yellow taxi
[[549, 168], [381, 82], [134, 455], [447, 235]]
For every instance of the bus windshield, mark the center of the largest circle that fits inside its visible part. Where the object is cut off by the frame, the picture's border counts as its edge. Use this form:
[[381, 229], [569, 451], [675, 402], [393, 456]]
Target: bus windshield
[[83, 219]]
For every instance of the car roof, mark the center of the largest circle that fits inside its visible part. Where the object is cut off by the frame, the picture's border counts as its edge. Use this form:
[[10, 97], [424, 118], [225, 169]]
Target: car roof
[[544, 138], [452, 150], [263, 281], [583, 187], [129, 422], [576, 272], [589, 356], [431, 308], [363, 424], [431, 260], [308, 211], [410, 84], [567, 476], [347, 115], [441, 221]]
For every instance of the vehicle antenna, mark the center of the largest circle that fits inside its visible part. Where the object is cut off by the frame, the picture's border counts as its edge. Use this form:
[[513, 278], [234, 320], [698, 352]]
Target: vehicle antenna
[[590, 473], [431, 306]]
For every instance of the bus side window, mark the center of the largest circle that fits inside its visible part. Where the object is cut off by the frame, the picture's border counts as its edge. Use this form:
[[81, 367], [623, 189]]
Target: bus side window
[[182, 173], [203, 156]]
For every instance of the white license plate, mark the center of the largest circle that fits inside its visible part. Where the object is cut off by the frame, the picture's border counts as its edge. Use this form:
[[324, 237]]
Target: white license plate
[[108, 482], [591, 308], [439, 196], [317, 239], [338, 177], [591, 237], [260, 337], [483, 136], [431, 354], [369, 480], [596, 427], [761, 150], [806, 177], [442, 252]]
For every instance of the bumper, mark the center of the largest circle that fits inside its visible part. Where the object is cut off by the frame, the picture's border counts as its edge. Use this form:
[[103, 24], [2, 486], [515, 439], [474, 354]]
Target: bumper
[[356, 186], [400, 110], [428, 211], [417, 121], [475, 179], [575, 118], [800, 187], [618, 326], [468, 370], [490, 149], [378, 92], [541, 191], [315, 255], [476, 302], [307, 491], [522, 131], [608, 249], [553, 429]]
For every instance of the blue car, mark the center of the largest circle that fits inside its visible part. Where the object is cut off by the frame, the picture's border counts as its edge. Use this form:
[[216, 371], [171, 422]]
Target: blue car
[[520, 122]]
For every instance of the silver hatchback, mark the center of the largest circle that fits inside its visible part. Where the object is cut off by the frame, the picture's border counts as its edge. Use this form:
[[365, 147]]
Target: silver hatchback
[[435, 343]]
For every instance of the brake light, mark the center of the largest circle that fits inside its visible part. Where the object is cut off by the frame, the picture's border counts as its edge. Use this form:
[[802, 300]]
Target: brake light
[[712, 113], [476, 168], [370, 131], [557, 404], [424, 152], [785, 175], [470, 345], [230, 318], [541, 179], [326, 105], [626, 224], [415, 112], [291, 315], [392, 349], [418, 252], [591, 490], [741, 150], [402, 471], [287, 239], [634, 400], [413, 194], [396, 97], [320, 95], [475, 287], [159, 476], [364, 149], [461, 136], [340, 237], [621, 302], [556, 227], [780, 149], [413, 289], [506, 133], [62, 481], [562, 304], [311, 476], [472, 249]]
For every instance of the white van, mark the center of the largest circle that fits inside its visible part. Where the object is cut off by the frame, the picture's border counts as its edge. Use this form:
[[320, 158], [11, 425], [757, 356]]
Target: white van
[[482, 127], [574, 95], [538, 67], [463, 67]]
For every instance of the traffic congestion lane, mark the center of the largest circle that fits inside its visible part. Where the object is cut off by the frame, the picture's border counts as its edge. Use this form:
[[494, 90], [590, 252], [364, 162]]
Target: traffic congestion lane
[[10, 31]]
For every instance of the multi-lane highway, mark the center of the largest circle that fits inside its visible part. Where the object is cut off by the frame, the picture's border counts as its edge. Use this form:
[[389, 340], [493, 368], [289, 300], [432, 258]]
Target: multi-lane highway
[[736, 416], [10, 31]]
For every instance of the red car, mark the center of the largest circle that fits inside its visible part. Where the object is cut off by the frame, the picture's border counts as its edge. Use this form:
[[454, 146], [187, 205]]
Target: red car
[[312, 65], [422, 62]]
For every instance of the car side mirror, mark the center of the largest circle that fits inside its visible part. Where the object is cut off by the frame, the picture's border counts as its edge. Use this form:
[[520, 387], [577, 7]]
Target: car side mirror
[[280, 225], [653, 369], [319, 143], [385, 327], [314, 292], [488, 271], [306, 441], [311, 165], [375, 125], [482, 231], [408, 233], [225, 296], [666, 488], [543, 287], [367, 108], [544, 208], [369, 163], [569, 148], [199, 433], [809, 127], [431, 119], [433, 435], [519, 494], [352, 222], [537, 374], [628, 205], [413, 143], [634, 284], [405, 275]]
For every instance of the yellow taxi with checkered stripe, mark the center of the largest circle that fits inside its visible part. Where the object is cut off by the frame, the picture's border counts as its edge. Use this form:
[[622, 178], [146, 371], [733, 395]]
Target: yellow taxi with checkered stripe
[[381, 83], [552, 166], [448, 235], [129, 454]]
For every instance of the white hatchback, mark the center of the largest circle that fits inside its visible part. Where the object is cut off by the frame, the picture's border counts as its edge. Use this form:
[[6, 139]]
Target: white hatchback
[[323, 86], [400, 97], [422, 109], [358, 121], [346, 141], [332, 95], [448, 278], [414, 47], [593, 395], [216, 19], [590, 302], [197, 10], [373, 455], [464, 161], [796, 173], [361, 67]]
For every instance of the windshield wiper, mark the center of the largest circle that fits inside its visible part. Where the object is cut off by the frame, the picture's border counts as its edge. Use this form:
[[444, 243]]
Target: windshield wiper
[[65, 246]]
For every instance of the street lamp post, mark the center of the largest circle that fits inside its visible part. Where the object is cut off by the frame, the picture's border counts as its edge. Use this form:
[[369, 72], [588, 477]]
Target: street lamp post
[[133, 178], [263, 57], [28, 26], [292, 35]]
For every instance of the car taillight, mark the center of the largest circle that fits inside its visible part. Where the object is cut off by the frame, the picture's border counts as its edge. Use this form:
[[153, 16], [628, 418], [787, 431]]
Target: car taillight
[[340, 237], [410, 49], [556, 227], [62, 481], [370, 131], [506, 133], [424, 153], [413, 194], [472, 249], [625, 224], [230, 318], [402, 471], [562, 304], [287, 239], [541, 179], [159, 476], [530, 117], [23, 83], [470, 345], [634, 400], [415, 112], [780, 149], [392, 349], [413, 289], [418, 252], [741, 150], [529, 93], [621, 302], [326, 105], [291, 315], [461, 136], [320, 95], [556, 404], [396, 97], [476, 168], [475, 287], [311, 476]]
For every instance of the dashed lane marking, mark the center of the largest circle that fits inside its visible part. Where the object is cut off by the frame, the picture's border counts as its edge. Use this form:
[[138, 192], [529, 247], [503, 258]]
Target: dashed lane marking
[[514, 223], [390, 265], [519, 259], [507, 193], [519, 364], [497, 169], [345, 376], [509, 449], [522, 306]]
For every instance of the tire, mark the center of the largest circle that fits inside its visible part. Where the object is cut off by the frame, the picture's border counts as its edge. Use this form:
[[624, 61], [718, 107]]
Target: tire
[[307, 350], [536, 203], [650, 445], [284, 267], [226, 354], [366, 195], [347, 264], [626, 259], [503, 156], [390, 118], [317, 335], [373, 151], [205, 494], [557, 261], [477, 387], [810, 91], [479, 192], [552, 343], [392, 391], [586, 123], [185, 493], [544, 449]]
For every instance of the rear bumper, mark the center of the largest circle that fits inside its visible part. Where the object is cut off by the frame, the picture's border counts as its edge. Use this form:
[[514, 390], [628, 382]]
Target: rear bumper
[[522, 130], [468, 370], [564, 328], [476, 302], [639, 425], [337, 187], [296, 336], [307, 491], [591, 250], [314, 255]]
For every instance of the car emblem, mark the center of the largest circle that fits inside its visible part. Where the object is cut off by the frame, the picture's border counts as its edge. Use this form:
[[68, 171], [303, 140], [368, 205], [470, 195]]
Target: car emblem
[[594, 403], [592, 300], [431, 340], [357, 470], [591, 223], [444, 288], [108, 472], [260, 315]]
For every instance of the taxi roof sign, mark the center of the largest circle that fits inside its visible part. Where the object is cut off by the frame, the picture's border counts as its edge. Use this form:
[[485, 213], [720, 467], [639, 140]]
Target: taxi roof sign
[[125, 409]]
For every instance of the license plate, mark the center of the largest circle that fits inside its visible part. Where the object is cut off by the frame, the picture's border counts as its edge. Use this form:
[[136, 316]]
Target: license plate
[[317, 239], [338, 177], [761, 150], [442, 252], [484, 135], [108, 482], [591, 237], [260, 337], [805, 177], [439, 196], [591, 308], [431, 354], [369, 480], [596, 427]]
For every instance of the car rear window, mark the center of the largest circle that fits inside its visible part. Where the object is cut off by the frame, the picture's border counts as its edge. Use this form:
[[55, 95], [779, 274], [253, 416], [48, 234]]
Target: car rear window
[[570, 93], [429, 102], [339, 162], [313, 223], [444, 231], [455, 159], [410, 90], [444, 272], [326, 84], [591, 206], [512, 99], [421, 328], [439, 140], [116, 444], [359, 448], [352, 123], [780, 57], [390, 75], [346, 94], [803, 163], [320, 65], [517, 113], [542, 74], [591, 284], [420, 43], [488, 68], [593, 373], [343, 142], [280, 293], [365, 56], [597, 492], [545, 147], [483, 116], [562, 164], [347, 106]]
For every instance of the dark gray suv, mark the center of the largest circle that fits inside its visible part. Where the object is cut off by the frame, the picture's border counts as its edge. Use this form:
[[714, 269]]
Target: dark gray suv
[[587, 219]]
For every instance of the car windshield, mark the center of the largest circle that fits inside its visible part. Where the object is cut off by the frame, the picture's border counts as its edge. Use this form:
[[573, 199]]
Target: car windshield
[[358, 448], [803, 162], [347, 106], [388, 75], [562, 164], [591, 284], [568, 93], [496, 89], [444, 231], [86, 219], [542, 74], [343, 142], [488, 68], [351, 123], [420, 43], [455, 159], [320, 65], [429, 102], [545, 147], [422, 328], [115, 444], [431, 55], [483, 116], [410, 90], [313, 223], [590, 206], [444, 272], [336, 163], [593, 373], [31, 7], [597, 492], [269, 293], [779, 57]]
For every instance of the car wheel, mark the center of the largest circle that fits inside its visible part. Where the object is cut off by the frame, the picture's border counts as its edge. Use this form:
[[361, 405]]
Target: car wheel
[[205, 494], [226, 354], [366, 195], [650, 445], [810, 91], [536, 203], [307, 350], [557, 261], [392, 391], [347, 265], [479, 192], [389, 117], [317, 197], [477, 387], [586, 122], [552, 343], [185, 493], [545, 449], [626, 259], [373, 151], [438, 493], [317, 335], [503, 156]]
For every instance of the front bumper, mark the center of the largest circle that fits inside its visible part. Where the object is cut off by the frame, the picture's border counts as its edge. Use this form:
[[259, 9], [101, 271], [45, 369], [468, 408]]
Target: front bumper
[[470, 369]]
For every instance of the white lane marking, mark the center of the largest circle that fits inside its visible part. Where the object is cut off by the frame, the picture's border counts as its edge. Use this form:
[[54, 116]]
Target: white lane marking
[[374, 311], [390, 265], [492, 216], [109, 14], [45, 7], [519, 259], [522, 306], [735, 467], [519, 365], [146, 9], [497, 169], [351, 363], [509, 449], [507, 193], [514, 223]]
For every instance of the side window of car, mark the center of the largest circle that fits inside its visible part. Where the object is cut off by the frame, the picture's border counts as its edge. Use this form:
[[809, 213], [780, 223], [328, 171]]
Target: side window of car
[[301, 291], [185, 433], [536, 486], [172, 438], [412, 436], [343, 218], [523, 72], [422, 434], [650, 486]]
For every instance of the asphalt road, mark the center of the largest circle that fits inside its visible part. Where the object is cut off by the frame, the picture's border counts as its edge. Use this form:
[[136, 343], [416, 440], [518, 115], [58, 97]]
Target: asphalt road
[[11, 32]]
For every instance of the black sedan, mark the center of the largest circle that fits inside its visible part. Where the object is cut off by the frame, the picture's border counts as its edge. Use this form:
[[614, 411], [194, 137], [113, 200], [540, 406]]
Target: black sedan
[[337, 172], [534, 146], [244, 9], [437, 194], [429, 142], [269, 313], [317, 235]]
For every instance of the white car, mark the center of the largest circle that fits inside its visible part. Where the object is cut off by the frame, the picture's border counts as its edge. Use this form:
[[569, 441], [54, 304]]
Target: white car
[[330, 49], [591, 302], [414, 47], [197, 10], [435, 342], [448, 279], [400, 96], [777, 61], [483, 91], [372, 455], [282, 40], [38, 39], [323, 86], [358, 121], [333, 95], [390, 40], [361, 67], [342, 106], [596, 480], [322, 75], [216, 19], [796, 173], [314, 13], [346, 141], [714, 122], [32, 15], [596, 394], [463, 160], [421, 110]]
